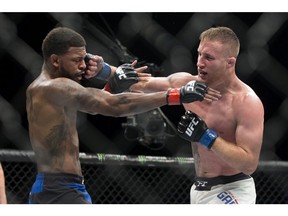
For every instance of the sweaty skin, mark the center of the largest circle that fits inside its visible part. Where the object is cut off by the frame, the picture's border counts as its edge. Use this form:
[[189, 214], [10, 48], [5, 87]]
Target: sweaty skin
[[237, 117], [53, 100]]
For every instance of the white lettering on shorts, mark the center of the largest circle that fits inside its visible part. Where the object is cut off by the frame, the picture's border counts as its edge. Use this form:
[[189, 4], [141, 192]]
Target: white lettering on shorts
[[201, 183]]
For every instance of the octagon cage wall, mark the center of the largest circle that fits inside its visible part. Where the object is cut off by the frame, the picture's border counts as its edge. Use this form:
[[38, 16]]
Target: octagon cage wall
[[121, 179], [140, 159]]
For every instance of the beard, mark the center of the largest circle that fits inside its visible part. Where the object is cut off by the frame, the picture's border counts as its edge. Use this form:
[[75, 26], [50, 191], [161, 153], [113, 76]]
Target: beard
[[68, 75]]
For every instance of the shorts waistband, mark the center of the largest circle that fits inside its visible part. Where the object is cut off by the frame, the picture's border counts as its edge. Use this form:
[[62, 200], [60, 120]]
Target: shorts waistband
[[64, 177], [203, 184]]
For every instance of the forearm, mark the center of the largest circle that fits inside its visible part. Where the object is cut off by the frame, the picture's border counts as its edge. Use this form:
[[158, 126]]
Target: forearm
[[152, 84], [155, 84], [235, 156], [2, 187], [3, 199], [130, 103], [240, 157]]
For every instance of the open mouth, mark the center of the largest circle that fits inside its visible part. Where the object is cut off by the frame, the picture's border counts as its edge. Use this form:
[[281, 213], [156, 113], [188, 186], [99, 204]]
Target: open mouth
[[202, 74], [79, 76]]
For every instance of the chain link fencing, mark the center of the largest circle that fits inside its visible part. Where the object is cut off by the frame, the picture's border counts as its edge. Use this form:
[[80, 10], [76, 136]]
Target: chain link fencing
[[122, 179]]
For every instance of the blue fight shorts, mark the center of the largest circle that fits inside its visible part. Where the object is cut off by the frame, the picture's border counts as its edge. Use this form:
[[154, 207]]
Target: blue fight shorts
[[59, 188]]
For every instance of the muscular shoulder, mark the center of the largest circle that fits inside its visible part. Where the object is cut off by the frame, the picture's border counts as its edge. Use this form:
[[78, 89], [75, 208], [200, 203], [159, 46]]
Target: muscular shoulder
[[248, 103], [249, 96], [61, 85], [59, 91], [175, 80], [180, 78]]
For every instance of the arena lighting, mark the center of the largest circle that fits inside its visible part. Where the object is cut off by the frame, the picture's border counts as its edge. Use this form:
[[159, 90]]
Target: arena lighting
[[149, 129]]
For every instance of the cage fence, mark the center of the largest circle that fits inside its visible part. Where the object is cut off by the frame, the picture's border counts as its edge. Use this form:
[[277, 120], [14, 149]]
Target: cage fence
[[124, 179]]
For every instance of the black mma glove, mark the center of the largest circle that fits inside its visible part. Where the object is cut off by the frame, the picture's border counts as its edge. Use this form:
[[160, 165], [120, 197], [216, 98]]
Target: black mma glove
[[192, 128], [122, 79], [105, 71], [101, 77], [192, 91]]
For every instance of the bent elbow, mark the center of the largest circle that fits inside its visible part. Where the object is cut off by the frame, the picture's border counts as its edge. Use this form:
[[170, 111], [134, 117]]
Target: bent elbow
[[248, 172], [250, 169]]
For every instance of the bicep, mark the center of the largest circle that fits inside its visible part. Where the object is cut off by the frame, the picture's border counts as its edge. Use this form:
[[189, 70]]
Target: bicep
[[63, 92], [72, 95], [175, 80], [250, 125], [95, 101]]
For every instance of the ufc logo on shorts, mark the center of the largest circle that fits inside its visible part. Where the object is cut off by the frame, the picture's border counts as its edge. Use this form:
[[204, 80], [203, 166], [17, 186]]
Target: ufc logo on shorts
[[201, 183], [190, 128], [121, 74]]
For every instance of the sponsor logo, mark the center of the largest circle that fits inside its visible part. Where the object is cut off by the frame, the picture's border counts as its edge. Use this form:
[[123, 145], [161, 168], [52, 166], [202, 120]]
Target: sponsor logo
[[201, 183], [227, 197], [191, 126], [121, 74]]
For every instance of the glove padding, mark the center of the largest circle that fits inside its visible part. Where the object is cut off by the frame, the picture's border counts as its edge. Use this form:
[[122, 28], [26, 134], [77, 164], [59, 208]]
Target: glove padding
[[88, 57], [100, 79], [192, 128], [192, 91], [122, 79]]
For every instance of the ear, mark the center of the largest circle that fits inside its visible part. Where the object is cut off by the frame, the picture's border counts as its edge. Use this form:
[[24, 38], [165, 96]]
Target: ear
[[54, 60], [231, 62]]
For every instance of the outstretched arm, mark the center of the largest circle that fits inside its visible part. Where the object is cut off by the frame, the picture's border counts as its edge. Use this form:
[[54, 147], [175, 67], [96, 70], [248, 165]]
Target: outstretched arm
[[126, 77], [64, 92], [176, 80]]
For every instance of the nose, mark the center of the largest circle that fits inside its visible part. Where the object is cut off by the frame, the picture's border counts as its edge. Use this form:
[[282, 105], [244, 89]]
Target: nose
[[83, 65], [200, 63]]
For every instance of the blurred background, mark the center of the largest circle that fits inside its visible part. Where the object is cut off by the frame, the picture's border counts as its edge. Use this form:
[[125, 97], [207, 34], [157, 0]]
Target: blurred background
[[167, 43]]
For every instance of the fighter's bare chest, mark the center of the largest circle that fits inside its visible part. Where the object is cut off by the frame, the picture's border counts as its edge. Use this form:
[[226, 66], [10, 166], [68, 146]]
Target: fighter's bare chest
[[218, 115]]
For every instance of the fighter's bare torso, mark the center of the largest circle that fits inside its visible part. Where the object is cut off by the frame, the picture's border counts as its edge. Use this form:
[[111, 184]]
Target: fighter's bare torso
[[52, 129], [221, 116]]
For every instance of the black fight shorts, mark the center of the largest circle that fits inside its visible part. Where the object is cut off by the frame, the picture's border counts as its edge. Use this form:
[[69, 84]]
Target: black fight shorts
[[59, 188]]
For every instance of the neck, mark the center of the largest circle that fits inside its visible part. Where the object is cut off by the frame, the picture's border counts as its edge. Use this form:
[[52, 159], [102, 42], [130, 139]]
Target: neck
[[226, 83], [48, 71]]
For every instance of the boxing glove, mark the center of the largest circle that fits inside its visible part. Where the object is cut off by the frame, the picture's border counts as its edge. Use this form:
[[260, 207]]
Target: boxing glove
[[105, 71], [192, 128], [122, 79], [192, 91]]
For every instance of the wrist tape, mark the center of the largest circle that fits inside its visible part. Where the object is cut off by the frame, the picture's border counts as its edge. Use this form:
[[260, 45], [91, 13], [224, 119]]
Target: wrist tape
[[208, 138], [104, 73], [173, 96]]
